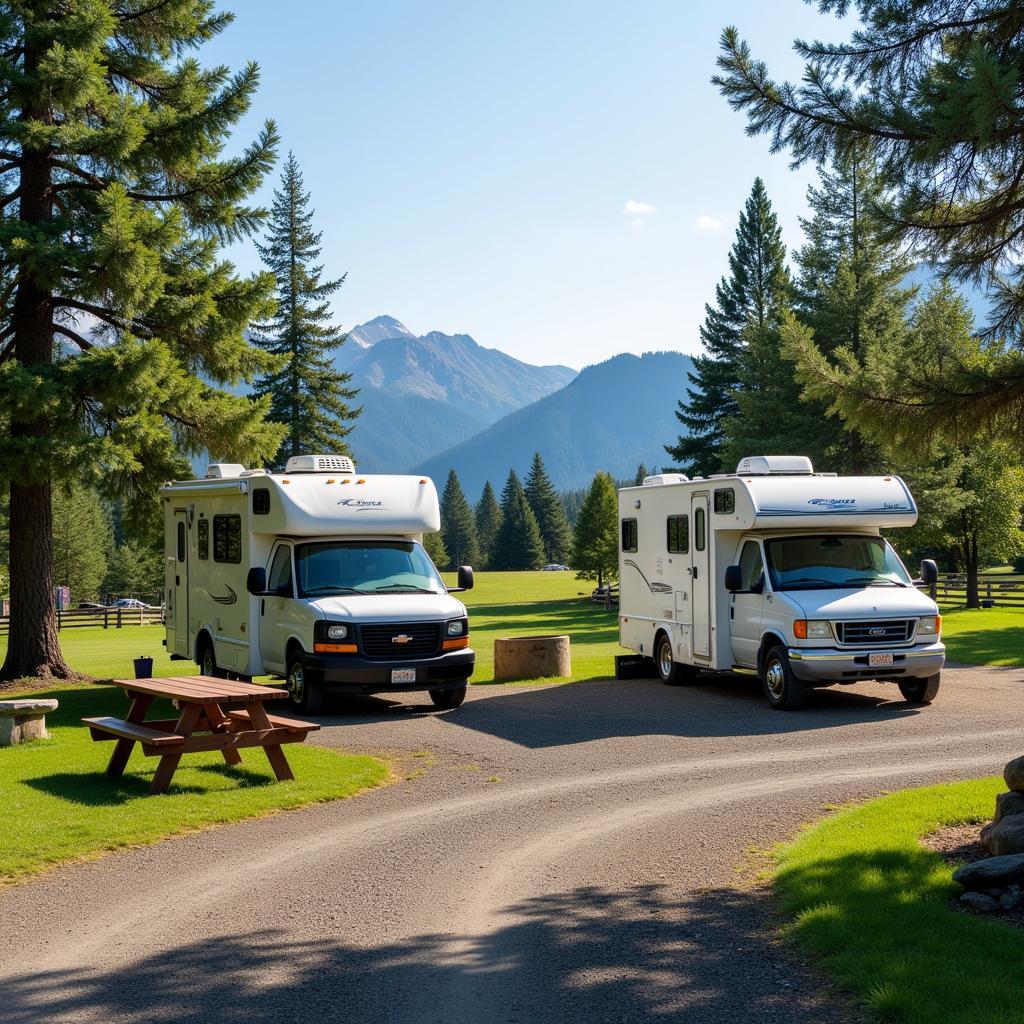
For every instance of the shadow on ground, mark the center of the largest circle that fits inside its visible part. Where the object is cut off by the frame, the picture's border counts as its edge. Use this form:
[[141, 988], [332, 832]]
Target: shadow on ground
[[582, 956]]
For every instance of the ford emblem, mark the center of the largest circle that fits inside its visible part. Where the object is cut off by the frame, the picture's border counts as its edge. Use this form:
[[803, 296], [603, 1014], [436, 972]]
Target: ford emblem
[[877, 631]]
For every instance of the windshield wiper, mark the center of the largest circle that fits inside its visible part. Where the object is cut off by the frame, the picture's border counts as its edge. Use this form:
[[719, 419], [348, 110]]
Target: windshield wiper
[[405, 586], [872, 581], [814, 580], [333, 589]]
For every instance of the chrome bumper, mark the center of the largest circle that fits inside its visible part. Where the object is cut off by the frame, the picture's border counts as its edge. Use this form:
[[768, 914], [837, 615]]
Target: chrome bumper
[[828, 665]]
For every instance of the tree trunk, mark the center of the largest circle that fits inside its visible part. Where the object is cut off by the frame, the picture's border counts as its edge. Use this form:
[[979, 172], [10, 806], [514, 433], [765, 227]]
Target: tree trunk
[[33, 646], [971, 568]]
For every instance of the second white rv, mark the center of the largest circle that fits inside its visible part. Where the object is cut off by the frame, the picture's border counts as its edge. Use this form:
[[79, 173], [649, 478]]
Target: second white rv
[[317, 575], [777, 570]]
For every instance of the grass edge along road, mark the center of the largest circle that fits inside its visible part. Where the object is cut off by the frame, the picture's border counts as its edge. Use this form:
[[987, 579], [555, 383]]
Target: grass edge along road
[[864, 895], [59, 806]]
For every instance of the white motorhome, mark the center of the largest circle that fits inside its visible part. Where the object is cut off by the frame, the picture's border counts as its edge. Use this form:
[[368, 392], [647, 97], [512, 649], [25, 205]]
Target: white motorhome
[[317, 575], [777, 570]]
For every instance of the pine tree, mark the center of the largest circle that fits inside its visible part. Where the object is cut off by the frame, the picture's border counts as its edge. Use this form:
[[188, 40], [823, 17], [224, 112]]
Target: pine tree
[[748, 295], [641, 474], [135, 569], [518, 545], [488, 523], [307, 395], [458, 529], [434, 546], [596, 540], [81, 539], [549, 512], [119, 320]]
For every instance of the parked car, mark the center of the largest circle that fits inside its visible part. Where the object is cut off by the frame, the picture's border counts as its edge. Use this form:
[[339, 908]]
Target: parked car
[[90, 606], [132, 602], [555, 567]]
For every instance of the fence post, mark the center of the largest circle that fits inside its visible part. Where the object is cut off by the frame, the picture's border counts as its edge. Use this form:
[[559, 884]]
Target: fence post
[[106, 617], [59, 623], [119, 617], [988, 590]]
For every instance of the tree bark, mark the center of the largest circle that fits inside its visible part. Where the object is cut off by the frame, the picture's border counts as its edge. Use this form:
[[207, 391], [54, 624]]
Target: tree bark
[[33, 646]]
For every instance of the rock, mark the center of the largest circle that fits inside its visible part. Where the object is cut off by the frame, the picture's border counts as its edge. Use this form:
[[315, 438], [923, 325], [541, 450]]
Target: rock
[[531, 657], [1010, 900], [980, 902], [1005, 836], [991, 872], [1007, 804], [1013, 773], [22, 720], [994, 893]]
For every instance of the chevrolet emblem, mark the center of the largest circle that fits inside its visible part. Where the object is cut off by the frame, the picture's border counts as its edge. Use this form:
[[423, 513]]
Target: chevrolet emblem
[[402, 638]]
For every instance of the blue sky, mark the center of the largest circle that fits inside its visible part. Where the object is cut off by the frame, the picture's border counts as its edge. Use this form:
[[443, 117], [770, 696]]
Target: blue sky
[[487, 169]]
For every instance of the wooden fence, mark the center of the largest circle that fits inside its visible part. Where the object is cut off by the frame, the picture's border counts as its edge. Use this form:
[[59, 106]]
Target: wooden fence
[[994, 591], [107, 618]]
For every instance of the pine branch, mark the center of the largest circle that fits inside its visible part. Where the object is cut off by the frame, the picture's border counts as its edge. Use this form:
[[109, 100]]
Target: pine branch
[[74, 336]]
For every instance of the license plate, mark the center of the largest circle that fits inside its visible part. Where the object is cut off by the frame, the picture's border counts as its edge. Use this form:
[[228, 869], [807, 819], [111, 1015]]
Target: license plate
[[879, 660], [408, 675]]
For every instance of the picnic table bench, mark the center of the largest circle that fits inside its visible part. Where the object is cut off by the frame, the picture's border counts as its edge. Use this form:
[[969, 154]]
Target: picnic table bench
[[209, 719]]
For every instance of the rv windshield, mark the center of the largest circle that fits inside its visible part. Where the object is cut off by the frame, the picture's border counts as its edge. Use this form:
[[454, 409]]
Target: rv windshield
[[834, 562], [365, 567]]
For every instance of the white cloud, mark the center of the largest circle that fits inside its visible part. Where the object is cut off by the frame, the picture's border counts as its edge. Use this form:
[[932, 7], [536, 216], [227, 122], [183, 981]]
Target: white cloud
[[706, 223], [639, 212]]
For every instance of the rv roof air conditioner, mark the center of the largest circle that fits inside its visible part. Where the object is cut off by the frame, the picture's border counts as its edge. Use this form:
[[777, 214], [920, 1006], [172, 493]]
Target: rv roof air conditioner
[[775, 465], [223, 470], [665, 478], [320, 464]]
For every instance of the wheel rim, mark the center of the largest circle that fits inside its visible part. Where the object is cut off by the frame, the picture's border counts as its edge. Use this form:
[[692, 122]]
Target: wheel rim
[[775, 678], [665, 659], [296, 683], [208, 663]]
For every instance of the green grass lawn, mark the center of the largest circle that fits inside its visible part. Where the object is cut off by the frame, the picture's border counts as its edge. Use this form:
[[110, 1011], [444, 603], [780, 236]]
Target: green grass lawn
[[863, 894], [984, 636]]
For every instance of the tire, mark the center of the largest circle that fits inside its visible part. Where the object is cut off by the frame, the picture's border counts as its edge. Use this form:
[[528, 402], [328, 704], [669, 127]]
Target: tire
[[782, 689], [207, 661], [446, 700], [305, 696], [670, 672], [920, 691]]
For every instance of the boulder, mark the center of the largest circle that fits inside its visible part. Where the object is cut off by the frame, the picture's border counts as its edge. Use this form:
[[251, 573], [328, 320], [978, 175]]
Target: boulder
[[23, 720], [1013, 773], [992, 872], [1005, 836], [1009, 900], [531, 657], [1007, 804], [980, 902]]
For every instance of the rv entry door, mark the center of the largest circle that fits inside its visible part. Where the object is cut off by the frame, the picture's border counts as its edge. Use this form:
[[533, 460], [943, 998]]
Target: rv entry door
[[179, 600], [700, 581]]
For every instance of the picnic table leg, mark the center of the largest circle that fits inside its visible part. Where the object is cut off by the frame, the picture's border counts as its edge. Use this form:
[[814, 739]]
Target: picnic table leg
[[275, 755], [123, 747], [169, 762], [219, 723]]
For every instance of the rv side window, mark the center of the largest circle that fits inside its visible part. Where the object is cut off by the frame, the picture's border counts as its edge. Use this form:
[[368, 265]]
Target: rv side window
[[699, 529], [725, 501], [203, 538], [280, 582], [261, 501], [181, 542], [751, 566], [678, 535], [227, 538], [629, 535]]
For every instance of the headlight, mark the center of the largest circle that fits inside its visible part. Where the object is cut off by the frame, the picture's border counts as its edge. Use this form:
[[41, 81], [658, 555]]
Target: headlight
[[811, 629], [457, 627], [337, 632], [930, 625]]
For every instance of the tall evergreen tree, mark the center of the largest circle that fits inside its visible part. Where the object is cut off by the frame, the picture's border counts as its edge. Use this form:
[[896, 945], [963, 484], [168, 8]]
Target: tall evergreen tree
[[307, 395], [81, 540], [458, 528], [595, 554], [748, 295], [641, 474], [518, 545], [433, 543], [488, 523], [115, 200], [135, 569], [549, 512]]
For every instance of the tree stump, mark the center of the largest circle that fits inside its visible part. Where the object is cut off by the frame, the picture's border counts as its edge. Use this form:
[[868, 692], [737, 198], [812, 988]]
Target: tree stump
[[23, 720], [531, 657]]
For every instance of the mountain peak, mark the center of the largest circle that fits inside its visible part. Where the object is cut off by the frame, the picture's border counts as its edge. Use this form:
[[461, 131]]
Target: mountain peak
[[379, 328]]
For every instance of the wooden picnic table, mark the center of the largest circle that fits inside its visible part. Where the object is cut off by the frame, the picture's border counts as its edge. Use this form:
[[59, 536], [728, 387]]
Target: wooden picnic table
[[215, 714]]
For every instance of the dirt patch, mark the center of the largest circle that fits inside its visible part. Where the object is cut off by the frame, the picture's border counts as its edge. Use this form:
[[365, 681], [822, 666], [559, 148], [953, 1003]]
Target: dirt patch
[[961, 844]]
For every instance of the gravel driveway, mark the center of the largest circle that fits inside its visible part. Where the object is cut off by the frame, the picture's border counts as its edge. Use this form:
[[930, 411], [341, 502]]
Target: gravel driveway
[[573, 853]]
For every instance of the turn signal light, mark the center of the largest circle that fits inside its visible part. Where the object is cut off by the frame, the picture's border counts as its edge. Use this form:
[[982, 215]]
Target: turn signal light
[[454, 645], [335, 648]]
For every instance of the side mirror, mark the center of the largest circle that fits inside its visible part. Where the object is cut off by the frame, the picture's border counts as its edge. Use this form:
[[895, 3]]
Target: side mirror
[[256, 580], [929, 571], [465, 580], [733, 578]]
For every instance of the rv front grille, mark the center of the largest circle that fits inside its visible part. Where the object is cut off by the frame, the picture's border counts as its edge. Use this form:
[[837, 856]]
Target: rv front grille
[[880, 631], [401, 640]]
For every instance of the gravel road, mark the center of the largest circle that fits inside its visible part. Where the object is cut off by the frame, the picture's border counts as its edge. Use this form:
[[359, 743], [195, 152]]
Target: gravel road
[[574, 853]]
